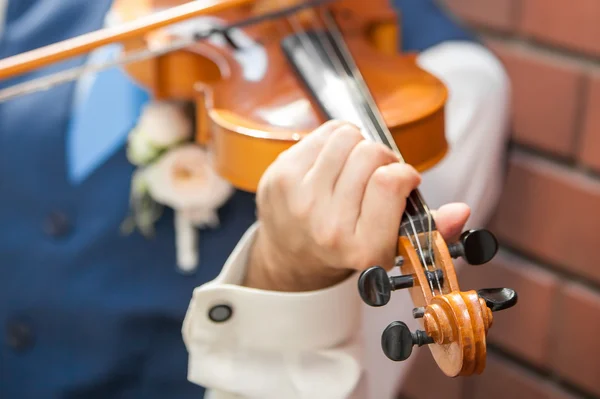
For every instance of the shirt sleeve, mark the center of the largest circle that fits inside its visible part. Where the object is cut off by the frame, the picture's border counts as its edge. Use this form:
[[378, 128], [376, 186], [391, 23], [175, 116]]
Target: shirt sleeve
[[262, 344], [267, 344], [477, 128]]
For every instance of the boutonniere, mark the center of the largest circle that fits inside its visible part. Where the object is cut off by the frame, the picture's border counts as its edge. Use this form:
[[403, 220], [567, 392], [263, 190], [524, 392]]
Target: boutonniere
[[173, 171]]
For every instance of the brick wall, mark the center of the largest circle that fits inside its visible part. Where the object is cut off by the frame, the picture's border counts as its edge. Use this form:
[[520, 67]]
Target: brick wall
[[548, 219]]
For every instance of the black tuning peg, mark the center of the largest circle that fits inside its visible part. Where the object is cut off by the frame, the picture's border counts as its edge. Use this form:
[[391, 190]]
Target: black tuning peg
[[475, 246], [397, 341], [498, 298], [375, 286]]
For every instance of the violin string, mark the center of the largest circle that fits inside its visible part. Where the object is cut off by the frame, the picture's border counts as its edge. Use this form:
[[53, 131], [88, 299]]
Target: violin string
[[329, 48], [429, 236], [335, 35], [417, 244], [305, 41], [428, 245], [336, 38], [309, 46]]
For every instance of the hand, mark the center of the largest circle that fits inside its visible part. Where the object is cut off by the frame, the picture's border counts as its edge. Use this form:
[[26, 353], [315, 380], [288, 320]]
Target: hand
[[331, 205]]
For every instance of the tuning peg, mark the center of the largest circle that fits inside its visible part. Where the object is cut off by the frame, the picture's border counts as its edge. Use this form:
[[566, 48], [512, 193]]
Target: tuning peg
[[498, 298], [375, 286], [475, 246], [397, 341]]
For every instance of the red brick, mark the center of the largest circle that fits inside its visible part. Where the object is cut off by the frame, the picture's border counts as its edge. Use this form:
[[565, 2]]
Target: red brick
[[576, 346], [425, 380], [503, 379], [546, 99], [497, 14], [589, 150], [552, 213], [573, 24], [523, 329]]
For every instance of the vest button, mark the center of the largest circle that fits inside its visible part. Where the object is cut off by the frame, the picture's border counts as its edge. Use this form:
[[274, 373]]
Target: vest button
[[19, 336], [220, 313], [57, 224]]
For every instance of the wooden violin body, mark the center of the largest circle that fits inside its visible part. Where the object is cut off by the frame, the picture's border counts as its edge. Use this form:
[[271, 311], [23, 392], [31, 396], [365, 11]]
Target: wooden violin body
[[251, 107], [257, 91]]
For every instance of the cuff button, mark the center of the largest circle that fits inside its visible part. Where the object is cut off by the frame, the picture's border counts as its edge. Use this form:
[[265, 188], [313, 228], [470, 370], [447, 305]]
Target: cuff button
[[220, 313]]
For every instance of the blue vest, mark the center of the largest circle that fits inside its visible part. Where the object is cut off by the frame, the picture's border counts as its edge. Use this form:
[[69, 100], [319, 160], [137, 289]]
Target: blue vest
[[87, 312]]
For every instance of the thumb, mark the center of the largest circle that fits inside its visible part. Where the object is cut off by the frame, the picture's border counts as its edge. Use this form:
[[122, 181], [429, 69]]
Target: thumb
[[450, 219]]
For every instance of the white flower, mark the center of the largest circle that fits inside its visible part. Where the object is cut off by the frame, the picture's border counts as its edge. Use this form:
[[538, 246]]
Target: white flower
[[174, 174], [160, 126], [183, 178], [140, 151], [164, 124]]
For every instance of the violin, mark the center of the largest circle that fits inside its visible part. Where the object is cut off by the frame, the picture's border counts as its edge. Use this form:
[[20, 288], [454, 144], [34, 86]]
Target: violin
[[261, 75]]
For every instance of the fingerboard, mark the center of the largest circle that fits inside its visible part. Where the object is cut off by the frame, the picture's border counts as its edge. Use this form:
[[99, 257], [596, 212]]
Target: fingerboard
[[326, 69]]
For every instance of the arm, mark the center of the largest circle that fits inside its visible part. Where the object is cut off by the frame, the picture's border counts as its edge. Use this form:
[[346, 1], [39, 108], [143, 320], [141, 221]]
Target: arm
[[308, 344], [477, 128]]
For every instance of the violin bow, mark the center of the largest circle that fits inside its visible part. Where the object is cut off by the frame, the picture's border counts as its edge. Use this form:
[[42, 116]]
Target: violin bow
[[37, 58]]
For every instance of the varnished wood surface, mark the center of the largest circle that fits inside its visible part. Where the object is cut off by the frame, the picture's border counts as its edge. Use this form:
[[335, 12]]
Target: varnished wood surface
[[251, 122], [457, 321]]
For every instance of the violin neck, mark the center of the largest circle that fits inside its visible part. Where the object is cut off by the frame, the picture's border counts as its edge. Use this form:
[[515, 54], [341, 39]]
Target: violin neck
[[325, 66], [329, 74]]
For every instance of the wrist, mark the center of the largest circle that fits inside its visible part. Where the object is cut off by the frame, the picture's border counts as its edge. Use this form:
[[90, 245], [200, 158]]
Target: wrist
[[270, 270]]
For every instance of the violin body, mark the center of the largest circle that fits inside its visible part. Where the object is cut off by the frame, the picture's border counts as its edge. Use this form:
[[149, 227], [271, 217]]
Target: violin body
[[249, 118]]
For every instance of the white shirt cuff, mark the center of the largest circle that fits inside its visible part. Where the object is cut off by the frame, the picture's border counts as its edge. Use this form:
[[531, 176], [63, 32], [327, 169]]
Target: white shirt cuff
[[272, 336], [270, 319]]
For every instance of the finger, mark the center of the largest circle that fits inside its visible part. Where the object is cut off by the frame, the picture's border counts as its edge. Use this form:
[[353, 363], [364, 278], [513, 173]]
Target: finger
[[304, 153], [450, 220], [351, 185], [291, 165], [330, 162], [278, 187], [383, 204]]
